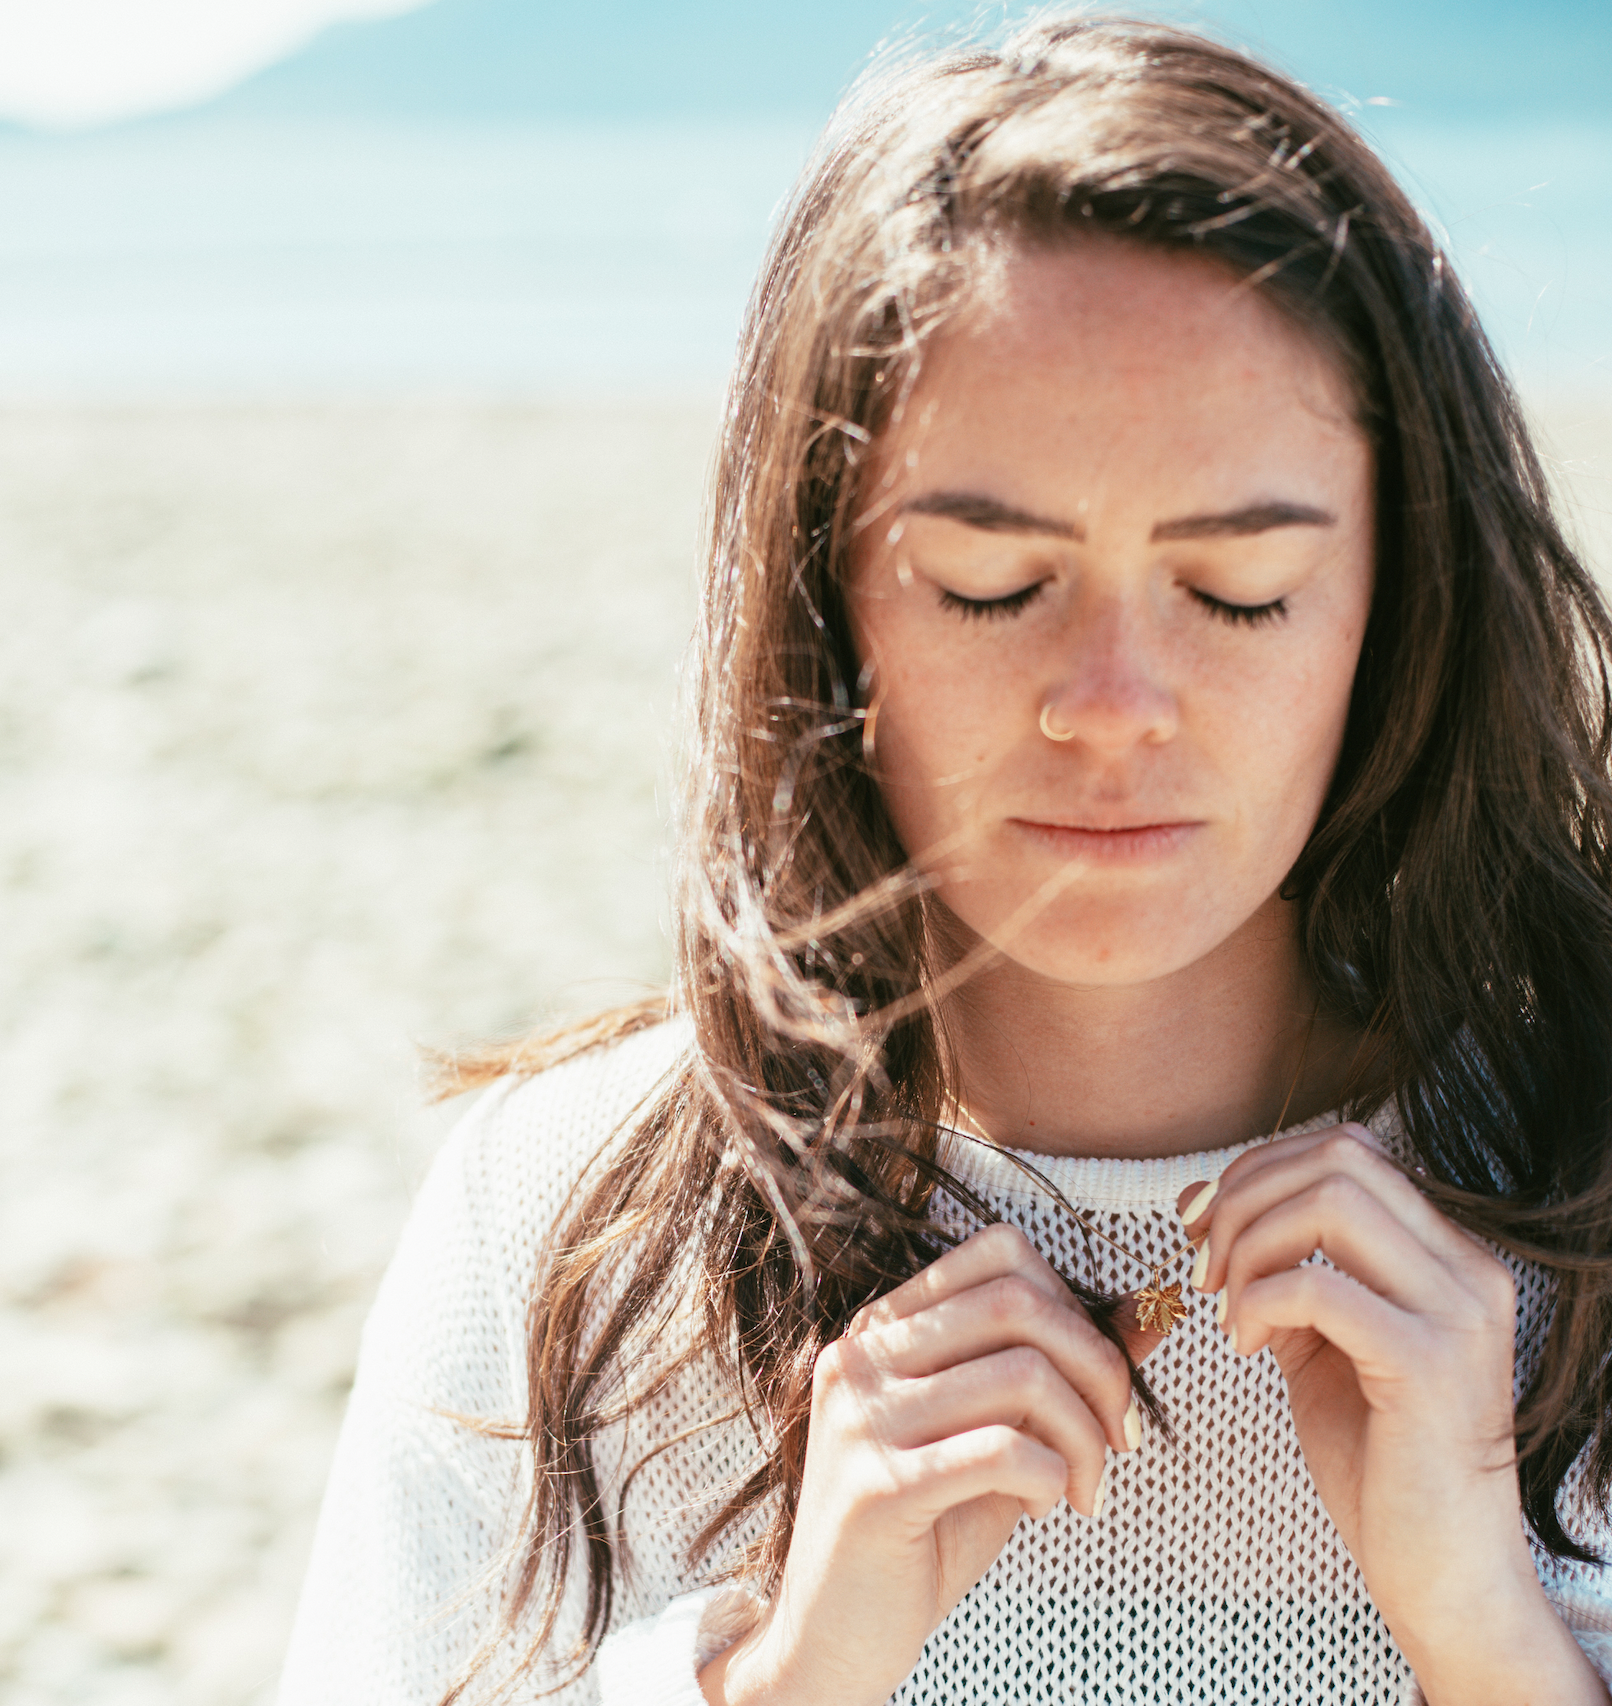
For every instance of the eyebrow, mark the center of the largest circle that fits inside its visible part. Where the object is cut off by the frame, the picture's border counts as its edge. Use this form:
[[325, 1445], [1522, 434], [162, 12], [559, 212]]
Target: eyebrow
[[988, 515], [1239, 523], [991, 516]]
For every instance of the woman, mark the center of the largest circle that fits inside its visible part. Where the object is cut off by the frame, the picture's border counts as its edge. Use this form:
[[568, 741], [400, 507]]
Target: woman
[[1120, 1211]]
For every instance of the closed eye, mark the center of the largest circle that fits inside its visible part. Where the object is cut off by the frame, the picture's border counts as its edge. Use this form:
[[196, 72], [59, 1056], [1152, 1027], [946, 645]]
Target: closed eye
[[1242, 615], [989, 609]]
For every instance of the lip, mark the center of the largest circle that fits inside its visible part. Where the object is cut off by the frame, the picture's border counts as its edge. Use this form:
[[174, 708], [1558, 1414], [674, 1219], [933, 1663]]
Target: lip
[[1117, 844]]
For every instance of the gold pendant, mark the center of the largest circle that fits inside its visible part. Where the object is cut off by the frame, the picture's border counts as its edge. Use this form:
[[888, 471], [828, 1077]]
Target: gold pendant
[[1159, 1307]]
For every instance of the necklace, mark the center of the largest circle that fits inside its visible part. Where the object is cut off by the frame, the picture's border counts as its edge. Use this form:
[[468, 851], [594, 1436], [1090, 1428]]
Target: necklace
[[1158, 1306]]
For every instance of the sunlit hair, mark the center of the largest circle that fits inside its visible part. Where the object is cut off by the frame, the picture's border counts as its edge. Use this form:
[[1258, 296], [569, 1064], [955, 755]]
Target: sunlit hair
[[1455, 897]]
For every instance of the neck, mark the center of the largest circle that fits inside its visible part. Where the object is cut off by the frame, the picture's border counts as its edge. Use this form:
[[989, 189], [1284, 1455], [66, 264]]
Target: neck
[[1203, 1057]]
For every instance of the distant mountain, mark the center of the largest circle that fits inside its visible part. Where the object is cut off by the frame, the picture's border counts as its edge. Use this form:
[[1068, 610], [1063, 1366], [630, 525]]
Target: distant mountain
[[512, 59]]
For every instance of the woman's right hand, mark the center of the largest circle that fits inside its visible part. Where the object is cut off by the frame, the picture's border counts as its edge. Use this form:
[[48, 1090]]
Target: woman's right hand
[[976, 1393]]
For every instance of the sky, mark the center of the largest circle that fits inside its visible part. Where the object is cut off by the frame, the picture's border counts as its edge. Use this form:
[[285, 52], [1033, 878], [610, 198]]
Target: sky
[[77, 62], [508, 195], [72, 64]]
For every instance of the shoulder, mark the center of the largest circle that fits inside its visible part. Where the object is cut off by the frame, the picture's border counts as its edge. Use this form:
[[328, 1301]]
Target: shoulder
[[452, 1305], [520, 1151], [416, 1521]]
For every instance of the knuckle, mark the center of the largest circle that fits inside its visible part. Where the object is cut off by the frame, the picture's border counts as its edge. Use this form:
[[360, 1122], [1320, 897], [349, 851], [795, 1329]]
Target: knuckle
[[1309, 1282], [1004, 1242], [832, 1369], [1002, 1444], [1337, 1194], [1013, 1299], [883, 1479], [867, 1316], [1109, 1365], [1025, 1368], [994, 1438], [1342, 1148]]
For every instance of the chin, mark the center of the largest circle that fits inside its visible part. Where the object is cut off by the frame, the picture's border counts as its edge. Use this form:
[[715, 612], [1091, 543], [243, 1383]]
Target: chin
[[1119, 948], [1120, 969]]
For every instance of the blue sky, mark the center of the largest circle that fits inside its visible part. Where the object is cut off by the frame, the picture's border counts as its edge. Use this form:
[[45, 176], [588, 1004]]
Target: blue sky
[[79, 61], [526, 197]]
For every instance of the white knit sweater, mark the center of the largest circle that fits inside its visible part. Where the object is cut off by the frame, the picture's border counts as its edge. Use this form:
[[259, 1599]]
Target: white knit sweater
[[1214, 1572]]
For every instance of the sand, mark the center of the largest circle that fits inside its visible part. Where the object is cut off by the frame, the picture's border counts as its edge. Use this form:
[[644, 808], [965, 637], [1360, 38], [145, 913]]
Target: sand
[[323, 733]]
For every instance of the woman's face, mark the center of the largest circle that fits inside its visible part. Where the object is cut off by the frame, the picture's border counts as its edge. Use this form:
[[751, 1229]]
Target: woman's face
[[1113, 569]]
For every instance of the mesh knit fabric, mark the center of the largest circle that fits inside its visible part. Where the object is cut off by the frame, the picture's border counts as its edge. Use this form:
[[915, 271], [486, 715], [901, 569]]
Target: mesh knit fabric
[[1213, 1573]]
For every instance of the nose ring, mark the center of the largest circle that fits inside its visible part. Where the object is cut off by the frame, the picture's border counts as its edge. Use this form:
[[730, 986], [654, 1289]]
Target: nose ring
[[1048, 730]]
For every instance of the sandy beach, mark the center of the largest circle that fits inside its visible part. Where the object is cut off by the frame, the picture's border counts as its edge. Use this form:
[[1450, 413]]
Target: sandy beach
[[324, 733]]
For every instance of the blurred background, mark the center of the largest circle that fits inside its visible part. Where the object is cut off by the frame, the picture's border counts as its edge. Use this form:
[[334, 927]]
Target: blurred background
[[359, 365]]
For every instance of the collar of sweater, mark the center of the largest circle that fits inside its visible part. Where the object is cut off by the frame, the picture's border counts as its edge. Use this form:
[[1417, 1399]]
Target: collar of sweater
[[1119, 1182]]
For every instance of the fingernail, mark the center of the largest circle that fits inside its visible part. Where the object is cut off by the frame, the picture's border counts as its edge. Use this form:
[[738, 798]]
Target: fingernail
[[1101, 1494], [1200, 1202], [1133, 1427], [1220, 1306], [1200, 1267], [1231, 1335]]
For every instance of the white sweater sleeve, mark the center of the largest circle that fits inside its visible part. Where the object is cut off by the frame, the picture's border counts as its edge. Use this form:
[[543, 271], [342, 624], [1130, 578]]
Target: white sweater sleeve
[[657, 1660], [403, 1584], [406, 1580]]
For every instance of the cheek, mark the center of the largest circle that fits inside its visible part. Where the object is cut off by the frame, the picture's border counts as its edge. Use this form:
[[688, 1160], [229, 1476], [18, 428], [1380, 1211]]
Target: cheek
[[940, 720], [934, 731], [1297, 724]]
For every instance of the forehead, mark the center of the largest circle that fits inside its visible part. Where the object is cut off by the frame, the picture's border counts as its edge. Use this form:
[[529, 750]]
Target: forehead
[[1113, 379], [1118, 333], [1100, 289]]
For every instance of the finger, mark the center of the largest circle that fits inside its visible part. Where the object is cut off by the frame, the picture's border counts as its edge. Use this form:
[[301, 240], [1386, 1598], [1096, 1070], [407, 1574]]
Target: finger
[[1349, 1226], [999, 1316], [1377, 1337], [1275, 1150], [1016, 1388], [1193, 1203], [1337, 1154], [991, 1253], [991, 1460]]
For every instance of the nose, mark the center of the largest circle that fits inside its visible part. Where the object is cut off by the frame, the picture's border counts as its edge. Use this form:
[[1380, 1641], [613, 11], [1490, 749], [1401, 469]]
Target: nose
[[1110, 696]]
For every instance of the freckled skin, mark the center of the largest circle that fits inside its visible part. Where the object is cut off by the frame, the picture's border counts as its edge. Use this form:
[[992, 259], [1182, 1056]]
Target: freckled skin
[[1114, 390]]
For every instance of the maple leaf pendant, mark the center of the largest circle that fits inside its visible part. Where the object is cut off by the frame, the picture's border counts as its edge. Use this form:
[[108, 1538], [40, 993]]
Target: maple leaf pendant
[[1159, 1307]]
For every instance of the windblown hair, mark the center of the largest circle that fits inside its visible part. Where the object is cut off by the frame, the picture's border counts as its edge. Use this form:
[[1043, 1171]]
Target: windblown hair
[[1454, 899]]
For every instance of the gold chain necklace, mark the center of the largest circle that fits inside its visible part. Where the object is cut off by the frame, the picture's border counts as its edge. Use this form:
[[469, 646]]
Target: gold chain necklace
[[1158, 1306]]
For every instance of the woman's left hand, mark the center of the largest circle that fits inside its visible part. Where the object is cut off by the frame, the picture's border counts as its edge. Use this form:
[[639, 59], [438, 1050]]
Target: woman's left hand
[[1398, 1361]]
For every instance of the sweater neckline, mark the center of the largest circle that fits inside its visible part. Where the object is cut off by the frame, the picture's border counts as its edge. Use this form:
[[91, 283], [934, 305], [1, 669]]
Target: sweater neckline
[[1104, 1181]]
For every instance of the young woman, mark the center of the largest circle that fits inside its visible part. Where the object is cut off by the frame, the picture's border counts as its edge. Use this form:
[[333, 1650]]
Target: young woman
[[1122, 1208]]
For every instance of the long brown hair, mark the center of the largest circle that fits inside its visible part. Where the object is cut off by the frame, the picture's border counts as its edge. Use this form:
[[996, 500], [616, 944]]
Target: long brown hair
[[1455, 897]]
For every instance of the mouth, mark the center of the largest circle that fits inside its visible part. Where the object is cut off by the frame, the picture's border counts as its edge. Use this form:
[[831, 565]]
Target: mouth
[[1110, 843]]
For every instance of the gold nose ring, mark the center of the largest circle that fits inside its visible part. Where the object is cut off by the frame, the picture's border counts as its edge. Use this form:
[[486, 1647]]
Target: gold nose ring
[[1048, 730]]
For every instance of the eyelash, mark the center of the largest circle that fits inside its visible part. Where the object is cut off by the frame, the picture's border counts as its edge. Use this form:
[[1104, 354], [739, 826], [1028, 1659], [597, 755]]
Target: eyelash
[[1242, 615], [989, 609], [995, 609]]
